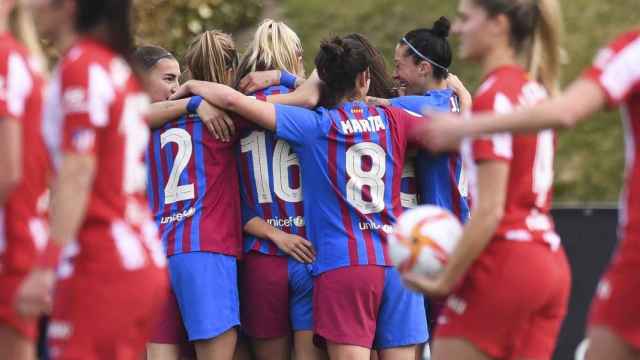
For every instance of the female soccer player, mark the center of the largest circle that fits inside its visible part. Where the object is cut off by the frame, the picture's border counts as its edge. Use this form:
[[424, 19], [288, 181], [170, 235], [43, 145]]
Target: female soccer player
[[612, 80], [509, 266], [351, 155], [23, 179], [113, 277], [276, 289], [193, 191]]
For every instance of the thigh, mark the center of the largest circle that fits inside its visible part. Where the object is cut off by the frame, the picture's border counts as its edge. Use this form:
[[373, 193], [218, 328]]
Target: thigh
[[605, 344], [617, 299], [206, 288], [401, 319], [264, 292], [300, 296], [26, 328], [456, 348], [345, 305], [14, 345]]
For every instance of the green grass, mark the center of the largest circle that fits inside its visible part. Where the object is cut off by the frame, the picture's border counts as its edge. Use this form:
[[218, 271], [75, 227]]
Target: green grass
[[590, 158]]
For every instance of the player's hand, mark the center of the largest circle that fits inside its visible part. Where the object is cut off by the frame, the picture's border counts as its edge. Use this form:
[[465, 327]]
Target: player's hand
[[185, 90], [458, 87], [259, 80], [295, 246], [443, 132], [34, 296], [217, 121], [434, 287]]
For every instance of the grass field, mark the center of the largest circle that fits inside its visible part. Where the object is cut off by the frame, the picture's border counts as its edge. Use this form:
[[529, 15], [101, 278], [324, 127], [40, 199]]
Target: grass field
[[589, 163]]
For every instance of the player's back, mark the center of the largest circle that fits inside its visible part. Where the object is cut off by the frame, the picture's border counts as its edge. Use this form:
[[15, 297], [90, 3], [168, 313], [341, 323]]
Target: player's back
[[352, 159], [95, 107], [526, 214], [270, 183], [24, 214], [193, 188]]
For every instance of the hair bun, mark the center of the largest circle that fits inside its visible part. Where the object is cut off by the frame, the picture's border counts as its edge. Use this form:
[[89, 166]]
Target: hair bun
[[441, 27]]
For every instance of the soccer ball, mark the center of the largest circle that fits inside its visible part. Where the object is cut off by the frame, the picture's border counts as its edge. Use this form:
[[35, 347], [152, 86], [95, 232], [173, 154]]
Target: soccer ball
[[423, 238]]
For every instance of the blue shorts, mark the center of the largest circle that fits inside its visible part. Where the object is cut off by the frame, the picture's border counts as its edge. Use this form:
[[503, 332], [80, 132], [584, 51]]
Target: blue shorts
[[276, 296], [368, 306], [206, 287]]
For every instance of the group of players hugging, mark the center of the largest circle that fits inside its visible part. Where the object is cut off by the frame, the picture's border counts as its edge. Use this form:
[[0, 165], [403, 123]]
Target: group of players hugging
[[244, 213]]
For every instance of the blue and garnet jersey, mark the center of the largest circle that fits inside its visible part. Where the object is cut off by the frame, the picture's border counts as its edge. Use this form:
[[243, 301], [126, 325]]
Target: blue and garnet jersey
[[192, 188], [435, 179], [270, 186], [351, 159]]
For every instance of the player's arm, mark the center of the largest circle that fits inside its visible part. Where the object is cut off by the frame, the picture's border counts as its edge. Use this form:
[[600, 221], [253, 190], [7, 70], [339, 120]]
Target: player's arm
[[259, 80], [11, 159], [583, 98], [293, 245], [217, 121], [485, 217], [466, 100], [261, 113], [306, 96]]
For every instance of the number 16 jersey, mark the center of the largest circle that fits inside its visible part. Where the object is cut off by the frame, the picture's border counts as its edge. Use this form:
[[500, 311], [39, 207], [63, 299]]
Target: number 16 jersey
[[351, 159]]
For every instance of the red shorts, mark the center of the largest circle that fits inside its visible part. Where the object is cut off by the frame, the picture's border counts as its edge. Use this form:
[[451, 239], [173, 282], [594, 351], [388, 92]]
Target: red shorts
[[512, 302], [105, 317], [367, 306], [616, 304], [9, 284]]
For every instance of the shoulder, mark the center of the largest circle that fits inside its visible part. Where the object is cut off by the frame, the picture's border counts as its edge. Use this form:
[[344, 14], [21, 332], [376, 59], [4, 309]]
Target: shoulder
[[499, 89]]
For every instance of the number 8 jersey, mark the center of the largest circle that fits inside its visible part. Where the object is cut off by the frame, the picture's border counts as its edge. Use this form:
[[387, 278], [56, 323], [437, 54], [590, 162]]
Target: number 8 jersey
[[351, 159], [526, 213]]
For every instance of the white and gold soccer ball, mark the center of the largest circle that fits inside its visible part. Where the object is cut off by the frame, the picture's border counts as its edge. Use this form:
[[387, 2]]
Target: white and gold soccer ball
[[423, 238]]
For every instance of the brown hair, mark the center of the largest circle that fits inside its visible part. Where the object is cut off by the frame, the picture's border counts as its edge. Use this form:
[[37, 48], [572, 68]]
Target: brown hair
[[536, 31], [212, 56]]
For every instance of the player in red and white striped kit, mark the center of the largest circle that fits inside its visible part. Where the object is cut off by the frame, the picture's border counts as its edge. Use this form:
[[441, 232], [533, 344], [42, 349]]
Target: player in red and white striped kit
[[113, 276], [509, 269], [612, 81], [23, 179]]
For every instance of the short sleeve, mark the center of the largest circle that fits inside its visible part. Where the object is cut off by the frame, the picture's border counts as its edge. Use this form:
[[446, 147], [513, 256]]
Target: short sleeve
[[496, 146], [616, 68], [296, 125], [87, 96], [16, 84]]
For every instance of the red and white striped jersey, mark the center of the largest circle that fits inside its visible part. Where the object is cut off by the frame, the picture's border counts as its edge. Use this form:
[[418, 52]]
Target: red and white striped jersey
[[616, 69], [23, 228], [95, 107], [530, 157]]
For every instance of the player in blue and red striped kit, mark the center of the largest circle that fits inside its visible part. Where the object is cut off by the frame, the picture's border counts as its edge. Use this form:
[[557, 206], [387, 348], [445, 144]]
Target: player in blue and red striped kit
[[193, 191], [275, 278], [351, 156]]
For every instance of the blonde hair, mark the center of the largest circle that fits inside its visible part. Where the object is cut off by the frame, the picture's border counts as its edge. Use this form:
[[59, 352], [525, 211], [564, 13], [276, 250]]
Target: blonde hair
[[22, 26], [544, 53], [274, 47], [212, 57], [536, 34]]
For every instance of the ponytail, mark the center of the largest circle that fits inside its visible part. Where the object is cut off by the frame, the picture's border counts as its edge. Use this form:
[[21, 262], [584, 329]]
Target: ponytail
[[23, 28], [212, 57], [544, 53]]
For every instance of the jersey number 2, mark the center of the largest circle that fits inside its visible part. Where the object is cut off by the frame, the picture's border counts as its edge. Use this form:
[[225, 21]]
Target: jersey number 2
[[172, 191]]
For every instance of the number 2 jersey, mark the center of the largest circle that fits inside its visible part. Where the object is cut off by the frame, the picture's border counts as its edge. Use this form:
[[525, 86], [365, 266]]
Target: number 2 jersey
[[616, 69], [269, 183], [95, 107], [351, 159], [530, 158], [23, 229], [193, 189]]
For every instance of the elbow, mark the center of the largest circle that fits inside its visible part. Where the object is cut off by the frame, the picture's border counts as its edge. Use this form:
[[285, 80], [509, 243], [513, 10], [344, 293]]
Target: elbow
[[568, 119]]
